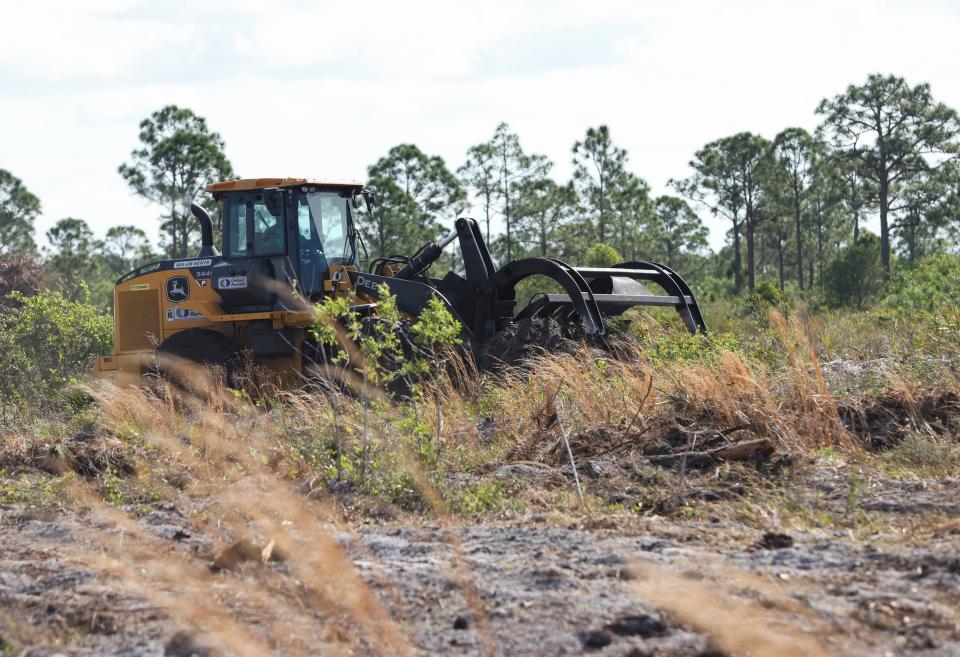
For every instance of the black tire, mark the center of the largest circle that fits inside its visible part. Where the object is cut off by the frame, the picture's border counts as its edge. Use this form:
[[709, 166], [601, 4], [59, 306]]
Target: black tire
[[200, 346]]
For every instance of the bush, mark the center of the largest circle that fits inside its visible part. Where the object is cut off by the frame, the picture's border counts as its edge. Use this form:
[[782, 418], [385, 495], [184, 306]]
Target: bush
[[855, 277], [48, 342], [932, 282], [602, 255], [765, 296], [711, 288]]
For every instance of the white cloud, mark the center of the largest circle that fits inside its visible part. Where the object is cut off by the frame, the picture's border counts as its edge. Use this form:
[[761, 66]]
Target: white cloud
[[325, 88]]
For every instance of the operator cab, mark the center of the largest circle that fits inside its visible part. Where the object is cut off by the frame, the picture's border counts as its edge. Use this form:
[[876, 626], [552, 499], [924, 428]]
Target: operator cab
[[281, 234]]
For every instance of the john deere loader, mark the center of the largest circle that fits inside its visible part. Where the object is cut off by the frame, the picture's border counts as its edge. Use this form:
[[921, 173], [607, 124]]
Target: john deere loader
[[287, 242]]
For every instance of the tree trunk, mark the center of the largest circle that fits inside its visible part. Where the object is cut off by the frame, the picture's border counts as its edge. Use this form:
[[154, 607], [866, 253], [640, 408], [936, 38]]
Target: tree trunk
[[623, 236], [184, 236], [912, 240], [819, 247], [796, 212], [884, 197], [751, 273], [884, 224], [505, 177], [543, 237], [737, 266], [506, 219], [854, 207], [381, 239], [780, 259], [602, 220], [173, 229], [486, 210], [762, 264]]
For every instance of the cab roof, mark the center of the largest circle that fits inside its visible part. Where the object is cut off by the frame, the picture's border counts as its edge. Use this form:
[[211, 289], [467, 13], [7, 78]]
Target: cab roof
[[247, 184]]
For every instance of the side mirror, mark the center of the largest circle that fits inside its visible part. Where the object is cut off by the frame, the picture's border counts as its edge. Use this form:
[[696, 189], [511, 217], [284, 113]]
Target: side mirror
[[370, 200], [274, 201]]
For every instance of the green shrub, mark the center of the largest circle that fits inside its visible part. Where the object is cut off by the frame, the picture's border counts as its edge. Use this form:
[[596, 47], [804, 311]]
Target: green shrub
[[855, 277], [390, 351], [394, 356], [767, 296], [711, 288], [932, 282], [602, 255], [48, 342], [481, 497]]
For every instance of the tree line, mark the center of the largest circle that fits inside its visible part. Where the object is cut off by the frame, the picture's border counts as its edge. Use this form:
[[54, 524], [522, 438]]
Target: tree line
[[603, 203], [795, 204]]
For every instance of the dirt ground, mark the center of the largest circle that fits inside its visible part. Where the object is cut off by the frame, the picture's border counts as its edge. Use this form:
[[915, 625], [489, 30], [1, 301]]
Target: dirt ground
[[77, 583]]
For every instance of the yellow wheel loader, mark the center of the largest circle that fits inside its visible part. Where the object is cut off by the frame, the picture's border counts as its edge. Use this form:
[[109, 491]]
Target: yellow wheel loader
[[287, 242]]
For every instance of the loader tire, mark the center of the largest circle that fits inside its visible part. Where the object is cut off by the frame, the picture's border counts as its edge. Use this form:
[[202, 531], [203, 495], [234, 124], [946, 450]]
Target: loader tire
[[200, 346]]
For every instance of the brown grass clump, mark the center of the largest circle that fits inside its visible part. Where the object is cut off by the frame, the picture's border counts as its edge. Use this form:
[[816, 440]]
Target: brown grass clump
[[88, 454], [737, 627], [793, 407], [607, 403]]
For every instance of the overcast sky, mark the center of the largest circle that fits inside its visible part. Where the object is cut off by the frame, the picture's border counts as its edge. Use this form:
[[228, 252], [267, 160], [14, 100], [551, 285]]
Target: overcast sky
[[325, 88]]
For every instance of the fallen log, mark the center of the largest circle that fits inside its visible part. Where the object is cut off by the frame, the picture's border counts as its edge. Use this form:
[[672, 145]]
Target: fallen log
[[736, 452]]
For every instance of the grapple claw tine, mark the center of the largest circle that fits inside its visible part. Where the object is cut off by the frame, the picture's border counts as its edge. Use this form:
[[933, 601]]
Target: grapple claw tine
[[595, 292]]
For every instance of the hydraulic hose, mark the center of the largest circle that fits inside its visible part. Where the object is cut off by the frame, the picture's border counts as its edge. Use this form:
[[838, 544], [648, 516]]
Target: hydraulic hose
[[426, 257]]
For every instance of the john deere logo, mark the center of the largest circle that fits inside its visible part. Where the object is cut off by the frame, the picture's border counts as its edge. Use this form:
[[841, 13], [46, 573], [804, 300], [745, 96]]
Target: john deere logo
[[178, 289]]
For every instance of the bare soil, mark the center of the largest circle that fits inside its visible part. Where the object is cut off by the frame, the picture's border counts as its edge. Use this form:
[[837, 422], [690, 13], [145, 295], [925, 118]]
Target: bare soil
[[882, 578]]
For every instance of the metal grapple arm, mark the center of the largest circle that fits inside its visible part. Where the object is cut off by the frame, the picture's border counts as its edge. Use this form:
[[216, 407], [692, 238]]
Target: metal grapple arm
[[484, 298]]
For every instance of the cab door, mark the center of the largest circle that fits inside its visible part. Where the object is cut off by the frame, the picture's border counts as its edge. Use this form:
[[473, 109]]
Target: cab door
[[311, 262], [255, 268]]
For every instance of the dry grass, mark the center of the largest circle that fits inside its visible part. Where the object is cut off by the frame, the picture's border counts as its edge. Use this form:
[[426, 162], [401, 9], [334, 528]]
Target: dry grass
[[259, 464], [240, 463], [792, 407], [765, 625]]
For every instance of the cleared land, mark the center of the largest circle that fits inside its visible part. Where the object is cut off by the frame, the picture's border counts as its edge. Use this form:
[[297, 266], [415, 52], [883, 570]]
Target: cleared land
[[737, 499], [164, 584]]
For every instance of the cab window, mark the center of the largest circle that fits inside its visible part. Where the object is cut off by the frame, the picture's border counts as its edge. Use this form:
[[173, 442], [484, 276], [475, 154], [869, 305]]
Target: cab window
[[329, 214], [308, 234], [333, 223], [237, 229], [267, 230]]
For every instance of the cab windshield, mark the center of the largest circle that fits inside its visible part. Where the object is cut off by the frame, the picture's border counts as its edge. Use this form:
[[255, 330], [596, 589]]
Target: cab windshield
[[323, 224]]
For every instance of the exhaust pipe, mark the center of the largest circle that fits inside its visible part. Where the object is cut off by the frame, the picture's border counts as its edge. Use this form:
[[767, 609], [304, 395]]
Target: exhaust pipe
[[207, 248]]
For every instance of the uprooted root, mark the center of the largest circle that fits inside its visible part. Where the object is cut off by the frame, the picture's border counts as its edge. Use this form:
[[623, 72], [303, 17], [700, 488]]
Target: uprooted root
[[886, 419]]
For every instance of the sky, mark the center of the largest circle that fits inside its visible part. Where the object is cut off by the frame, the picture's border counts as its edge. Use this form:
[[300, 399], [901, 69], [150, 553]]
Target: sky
[[323, 89]]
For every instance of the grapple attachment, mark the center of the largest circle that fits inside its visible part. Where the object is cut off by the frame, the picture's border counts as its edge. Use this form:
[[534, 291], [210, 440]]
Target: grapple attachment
[[484, 299], [592, 293]]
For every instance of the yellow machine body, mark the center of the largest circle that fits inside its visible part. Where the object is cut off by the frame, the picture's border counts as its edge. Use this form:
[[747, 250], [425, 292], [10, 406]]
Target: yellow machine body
[[159, 300]]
